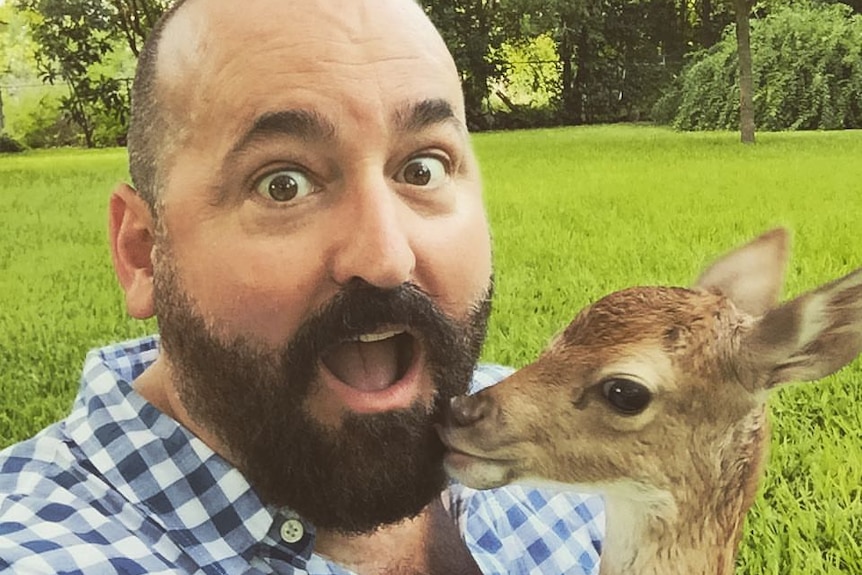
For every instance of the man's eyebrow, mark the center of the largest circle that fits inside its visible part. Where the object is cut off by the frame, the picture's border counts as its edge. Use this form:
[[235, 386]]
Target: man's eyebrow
[[424, 114], [301, 124]]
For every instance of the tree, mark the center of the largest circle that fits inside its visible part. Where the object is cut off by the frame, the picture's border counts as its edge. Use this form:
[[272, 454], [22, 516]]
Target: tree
[[614, 55], [742, 9], [470, 31], [135, 19], [807, 74], [74, 38], [4, 25], [16, 52]]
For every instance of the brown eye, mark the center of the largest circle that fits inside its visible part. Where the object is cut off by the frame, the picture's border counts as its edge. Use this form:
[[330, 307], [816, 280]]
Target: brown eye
[[285, 186], [626, 396], [425, 171]]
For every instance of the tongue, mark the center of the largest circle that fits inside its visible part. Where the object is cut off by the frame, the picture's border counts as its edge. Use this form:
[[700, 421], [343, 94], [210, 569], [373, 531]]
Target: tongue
[[365, 366]]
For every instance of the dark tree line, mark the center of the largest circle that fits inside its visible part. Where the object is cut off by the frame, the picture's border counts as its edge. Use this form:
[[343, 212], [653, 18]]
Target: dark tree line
[[614, 58]]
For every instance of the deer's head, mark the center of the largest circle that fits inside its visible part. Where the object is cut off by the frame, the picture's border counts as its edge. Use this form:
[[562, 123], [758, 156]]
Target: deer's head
[[654, 387]]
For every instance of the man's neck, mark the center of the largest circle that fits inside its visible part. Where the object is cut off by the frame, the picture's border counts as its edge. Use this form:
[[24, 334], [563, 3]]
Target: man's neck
[[429, 544]]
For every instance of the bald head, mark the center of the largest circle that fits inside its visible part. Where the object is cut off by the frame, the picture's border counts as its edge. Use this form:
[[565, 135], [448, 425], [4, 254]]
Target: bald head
[[148, 125], [194, 42]]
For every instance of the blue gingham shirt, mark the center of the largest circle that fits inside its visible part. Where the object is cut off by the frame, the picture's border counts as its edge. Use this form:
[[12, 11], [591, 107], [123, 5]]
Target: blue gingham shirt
[[119, 487]]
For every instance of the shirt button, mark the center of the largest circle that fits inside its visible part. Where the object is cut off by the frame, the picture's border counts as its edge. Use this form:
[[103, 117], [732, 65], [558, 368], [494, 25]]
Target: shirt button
[[292, 531]]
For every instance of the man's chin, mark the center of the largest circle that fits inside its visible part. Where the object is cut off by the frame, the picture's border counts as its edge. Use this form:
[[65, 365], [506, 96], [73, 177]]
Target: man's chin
[[375, 470]]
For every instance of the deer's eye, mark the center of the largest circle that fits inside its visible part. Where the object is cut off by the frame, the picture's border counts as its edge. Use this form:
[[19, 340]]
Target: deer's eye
[[626, 396]]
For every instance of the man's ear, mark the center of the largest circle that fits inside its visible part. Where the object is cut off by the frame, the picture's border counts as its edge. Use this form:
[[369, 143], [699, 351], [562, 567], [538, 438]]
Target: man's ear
[[132, 235]]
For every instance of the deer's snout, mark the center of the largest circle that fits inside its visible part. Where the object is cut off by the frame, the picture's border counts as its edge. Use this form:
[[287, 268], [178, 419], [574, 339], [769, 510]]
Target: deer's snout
[[467, 410]]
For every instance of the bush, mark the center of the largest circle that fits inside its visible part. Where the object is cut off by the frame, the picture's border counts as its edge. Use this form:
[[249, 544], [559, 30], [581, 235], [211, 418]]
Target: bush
[[109, 130], [37, 120], [807, 75], [9, 145]]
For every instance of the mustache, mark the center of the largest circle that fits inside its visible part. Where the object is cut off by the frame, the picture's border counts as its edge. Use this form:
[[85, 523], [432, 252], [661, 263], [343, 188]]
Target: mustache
[[361, 308]]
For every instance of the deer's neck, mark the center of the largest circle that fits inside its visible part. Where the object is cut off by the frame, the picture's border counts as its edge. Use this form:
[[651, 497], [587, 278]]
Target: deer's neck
[[648, 536], [695, 528]]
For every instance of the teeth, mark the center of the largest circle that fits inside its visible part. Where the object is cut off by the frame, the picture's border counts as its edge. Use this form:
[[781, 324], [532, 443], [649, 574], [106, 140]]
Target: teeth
[[372, 337]]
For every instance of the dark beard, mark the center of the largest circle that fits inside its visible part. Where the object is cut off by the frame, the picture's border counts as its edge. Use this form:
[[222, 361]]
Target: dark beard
[[376, 469]]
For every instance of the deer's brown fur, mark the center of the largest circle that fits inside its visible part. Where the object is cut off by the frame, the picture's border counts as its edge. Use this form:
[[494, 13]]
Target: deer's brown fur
[[678, 476]]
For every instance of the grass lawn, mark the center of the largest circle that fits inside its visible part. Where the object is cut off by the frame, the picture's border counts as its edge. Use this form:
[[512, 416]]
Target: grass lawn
[[576, 213]]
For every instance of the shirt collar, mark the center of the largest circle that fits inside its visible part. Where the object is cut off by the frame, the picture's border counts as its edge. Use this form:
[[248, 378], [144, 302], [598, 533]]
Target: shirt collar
[[155, 463]]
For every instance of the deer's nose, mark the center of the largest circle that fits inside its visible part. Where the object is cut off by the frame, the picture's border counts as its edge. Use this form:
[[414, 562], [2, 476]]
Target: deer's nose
[[466, 410]]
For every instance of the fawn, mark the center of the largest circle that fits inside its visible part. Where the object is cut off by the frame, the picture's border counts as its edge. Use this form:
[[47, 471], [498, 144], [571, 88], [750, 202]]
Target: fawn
[[655, 397]]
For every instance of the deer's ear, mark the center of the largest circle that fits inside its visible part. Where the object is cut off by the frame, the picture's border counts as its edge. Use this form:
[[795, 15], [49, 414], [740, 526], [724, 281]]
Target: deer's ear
[[751, 276], [809, 337]]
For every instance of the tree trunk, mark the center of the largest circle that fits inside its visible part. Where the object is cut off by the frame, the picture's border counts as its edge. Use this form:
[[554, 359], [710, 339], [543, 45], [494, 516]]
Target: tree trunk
[[79, 115], [708, 36], [683, 28], [569, 94], [583, 78], [746, 81]]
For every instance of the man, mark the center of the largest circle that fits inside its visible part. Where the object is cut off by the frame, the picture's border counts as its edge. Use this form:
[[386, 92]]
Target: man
[[307, 226]]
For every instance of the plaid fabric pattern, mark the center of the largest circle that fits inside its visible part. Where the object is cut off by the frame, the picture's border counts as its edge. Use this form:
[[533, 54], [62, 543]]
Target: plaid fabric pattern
[[118, 487]]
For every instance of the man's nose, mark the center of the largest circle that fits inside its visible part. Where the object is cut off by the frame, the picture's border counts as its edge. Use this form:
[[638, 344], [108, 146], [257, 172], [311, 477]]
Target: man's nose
[[375, 242]]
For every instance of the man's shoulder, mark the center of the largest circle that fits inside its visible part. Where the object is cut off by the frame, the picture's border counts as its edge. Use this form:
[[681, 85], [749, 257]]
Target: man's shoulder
[[58, 515], [523, 529], [25, 466], [487, 374]]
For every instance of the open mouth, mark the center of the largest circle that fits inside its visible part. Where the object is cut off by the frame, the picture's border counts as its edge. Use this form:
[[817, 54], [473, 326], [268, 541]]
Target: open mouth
[[371, 362], [372, 371]]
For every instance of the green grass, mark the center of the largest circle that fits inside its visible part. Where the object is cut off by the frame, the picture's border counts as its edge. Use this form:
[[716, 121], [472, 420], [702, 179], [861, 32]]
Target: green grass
[[576, 213]]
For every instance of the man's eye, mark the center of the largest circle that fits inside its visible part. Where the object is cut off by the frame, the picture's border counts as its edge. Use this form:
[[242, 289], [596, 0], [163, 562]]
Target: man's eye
[[285, 186], [426, 171]]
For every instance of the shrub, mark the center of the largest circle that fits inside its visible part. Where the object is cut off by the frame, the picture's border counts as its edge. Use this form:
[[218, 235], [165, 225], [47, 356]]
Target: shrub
[[807, 75], [9, 145], [37, 120]]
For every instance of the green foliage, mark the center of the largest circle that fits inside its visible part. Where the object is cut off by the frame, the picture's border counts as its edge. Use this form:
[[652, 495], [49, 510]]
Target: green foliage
[[75, 39], [37, 119], [825, 89], [133, 19], [531, 76], [807, 75], [526, 93], [72, 37], [612, 56], [17, 62], [469, 30], [706, 95]]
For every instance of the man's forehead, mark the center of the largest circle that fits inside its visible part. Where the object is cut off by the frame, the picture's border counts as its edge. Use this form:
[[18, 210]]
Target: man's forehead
[[261, 37], [182, 45], [199, 27]]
